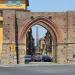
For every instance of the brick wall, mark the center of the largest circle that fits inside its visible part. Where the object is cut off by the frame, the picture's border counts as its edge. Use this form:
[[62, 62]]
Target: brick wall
[[62, 23]]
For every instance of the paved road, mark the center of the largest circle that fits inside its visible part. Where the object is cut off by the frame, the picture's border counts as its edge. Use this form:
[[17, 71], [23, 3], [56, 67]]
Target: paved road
[[39, 70]]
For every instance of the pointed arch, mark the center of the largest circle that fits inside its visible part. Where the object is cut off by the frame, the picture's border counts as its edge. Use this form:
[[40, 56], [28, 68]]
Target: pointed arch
[[46, 22]]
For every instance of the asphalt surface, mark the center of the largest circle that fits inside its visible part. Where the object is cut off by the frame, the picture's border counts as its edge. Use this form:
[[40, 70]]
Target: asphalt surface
[[39, 70]]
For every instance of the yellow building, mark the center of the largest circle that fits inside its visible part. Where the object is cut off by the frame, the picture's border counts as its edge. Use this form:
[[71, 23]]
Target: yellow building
[[10, 4], [14, 4]]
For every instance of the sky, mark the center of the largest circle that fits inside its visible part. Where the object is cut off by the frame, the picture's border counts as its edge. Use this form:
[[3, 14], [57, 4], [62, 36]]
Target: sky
[[41, 32], [49, 6]]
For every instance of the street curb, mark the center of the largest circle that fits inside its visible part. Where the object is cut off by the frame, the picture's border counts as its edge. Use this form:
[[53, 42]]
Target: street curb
[[28, 64], [34, 65]]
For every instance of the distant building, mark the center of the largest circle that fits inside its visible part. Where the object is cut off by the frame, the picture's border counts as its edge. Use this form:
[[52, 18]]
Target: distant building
[[46, 44], [30, 49], [14, 4], [48, 41], [42, 46]]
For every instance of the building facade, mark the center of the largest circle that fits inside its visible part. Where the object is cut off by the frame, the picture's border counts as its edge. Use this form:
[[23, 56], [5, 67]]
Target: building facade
[[46, 44], [30, 48], [17, 20], [42, 46], [49, 43]]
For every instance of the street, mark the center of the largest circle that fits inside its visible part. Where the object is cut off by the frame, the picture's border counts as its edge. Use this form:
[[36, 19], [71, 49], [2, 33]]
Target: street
[[39, 70]]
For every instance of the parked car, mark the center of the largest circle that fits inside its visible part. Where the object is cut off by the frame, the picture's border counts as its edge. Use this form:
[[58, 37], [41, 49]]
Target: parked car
[[46, 58], [28, 58], [33, 57], [37, 58]]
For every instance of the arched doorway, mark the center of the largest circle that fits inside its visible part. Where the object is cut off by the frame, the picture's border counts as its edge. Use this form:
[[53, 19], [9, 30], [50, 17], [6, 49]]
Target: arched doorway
[[46, 23]]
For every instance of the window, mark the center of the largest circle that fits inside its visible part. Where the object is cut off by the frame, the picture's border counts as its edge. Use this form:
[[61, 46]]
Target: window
[[13, 2], [10, 2], [18, 2]]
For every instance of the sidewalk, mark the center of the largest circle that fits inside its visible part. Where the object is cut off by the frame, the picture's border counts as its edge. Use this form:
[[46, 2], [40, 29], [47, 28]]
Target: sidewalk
[[29, 64], [43, 63], [34, 64]]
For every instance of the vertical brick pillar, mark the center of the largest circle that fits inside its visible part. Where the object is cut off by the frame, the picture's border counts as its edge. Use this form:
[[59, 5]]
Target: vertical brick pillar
[[8, 53], [71, 37]]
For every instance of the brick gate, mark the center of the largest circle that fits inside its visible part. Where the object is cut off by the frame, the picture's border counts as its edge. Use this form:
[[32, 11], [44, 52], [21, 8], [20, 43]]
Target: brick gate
[[61, 26]]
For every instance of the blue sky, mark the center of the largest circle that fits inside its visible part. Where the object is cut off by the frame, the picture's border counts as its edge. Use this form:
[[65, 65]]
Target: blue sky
[[51, 5], [41, 31]]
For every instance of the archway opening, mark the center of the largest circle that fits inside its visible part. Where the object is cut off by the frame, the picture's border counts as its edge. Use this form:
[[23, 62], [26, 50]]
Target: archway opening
[[52, 31], [40, 43]]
